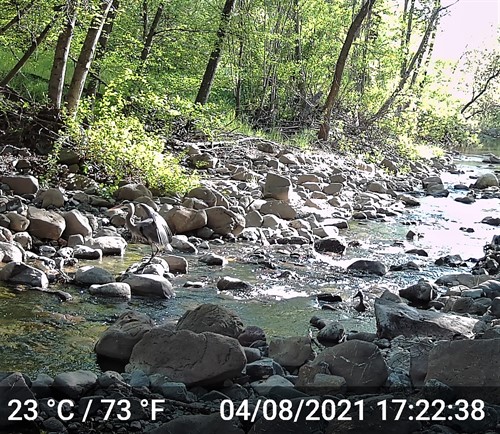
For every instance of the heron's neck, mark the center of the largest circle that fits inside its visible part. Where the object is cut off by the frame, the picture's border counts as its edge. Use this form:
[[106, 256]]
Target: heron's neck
[[130, 214]]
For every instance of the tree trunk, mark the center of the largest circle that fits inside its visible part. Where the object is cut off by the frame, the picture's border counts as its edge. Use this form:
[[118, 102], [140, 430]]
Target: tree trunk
[[208, 77], [85, 59], [145, 19], [29, 52], [339, 68], [58, 73], [94, 80], [405, 39], [152, 32], [17, 18], [300, 77], [239, 83], [404, 78]]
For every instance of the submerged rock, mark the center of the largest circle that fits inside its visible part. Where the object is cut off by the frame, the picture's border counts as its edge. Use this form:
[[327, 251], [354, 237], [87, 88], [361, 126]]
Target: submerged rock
[[149, 285], [369, 266]]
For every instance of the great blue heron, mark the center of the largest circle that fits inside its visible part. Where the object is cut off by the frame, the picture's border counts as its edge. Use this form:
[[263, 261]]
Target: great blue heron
[[154, 228]]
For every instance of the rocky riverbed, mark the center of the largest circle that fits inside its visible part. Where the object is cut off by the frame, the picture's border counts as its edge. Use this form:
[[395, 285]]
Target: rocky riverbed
[[283, 216]]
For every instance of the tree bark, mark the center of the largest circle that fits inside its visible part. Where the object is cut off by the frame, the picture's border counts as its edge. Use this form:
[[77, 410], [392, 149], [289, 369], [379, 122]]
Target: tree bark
[[102, 44], [239, 83], [85, 59], [215, 55], [148, 43], [58, 73], [339, 68], [17, 18], [145, 19], [29, 52]]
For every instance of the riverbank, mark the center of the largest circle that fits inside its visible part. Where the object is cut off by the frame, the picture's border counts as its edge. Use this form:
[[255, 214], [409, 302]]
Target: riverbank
[[290, 215]]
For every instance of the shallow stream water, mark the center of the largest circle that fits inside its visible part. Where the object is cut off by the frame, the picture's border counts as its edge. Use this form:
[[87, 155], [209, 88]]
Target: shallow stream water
[[38, 333]]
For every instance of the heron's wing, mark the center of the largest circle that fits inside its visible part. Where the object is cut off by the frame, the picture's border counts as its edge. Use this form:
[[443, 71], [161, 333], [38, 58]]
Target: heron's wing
[[163, 234]]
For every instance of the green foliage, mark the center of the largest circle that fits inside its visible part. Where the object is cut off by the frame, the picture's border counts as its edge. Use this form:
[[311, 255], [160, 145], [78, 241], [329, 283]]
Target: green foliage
[[282, 54], [116, 139]]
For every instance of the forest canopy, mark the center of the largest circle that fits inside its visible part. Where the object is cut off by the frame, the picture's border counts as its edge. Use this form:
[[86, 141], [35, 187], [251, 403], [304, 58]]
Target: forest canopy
[[124, 77]]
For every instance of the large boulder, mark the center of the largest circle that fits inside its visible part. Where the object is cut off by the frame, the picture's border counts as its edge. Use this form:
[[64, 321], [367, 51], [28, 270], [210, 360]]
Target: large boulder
[[224, 221], [292, 351], [369, 266], [20, 273], [76, 223], [113, 289], [176, 264], [209, 196], [118, 340], [486, 180], [421, 293], [90, 275], [331, 244], [21, 184], [51, 197], [10, 252], [465, 279], [182, 220], [279, 208], [470, 367], [110, 245], [490, 288], [45, 224], [132, 192], [13, 387], [360, 363], [277, 187], [74, 384], [149, 285], [188, 357], [211, 318], [395, 319], [18, 222]]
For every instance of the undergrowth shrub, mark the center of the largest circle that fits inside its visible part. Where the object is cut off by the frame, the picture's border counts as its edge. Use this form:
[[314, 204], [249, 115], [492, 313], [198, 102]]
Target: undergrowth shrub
[[116, 139]]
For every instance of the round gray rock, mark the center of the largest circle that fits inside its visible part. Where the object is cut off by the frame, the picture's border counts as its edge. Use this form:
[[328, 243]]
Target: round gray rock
[[211, 318]]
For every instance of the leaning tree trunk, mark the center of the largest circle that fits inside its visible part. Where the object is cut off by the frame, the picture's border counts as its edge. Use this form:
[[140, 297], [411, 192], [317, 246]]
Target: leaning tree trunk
[[476, 95], [61, 54], [29, 52], [411, 66], [85, 59], [17, 18], [215, 55], [324, 129]]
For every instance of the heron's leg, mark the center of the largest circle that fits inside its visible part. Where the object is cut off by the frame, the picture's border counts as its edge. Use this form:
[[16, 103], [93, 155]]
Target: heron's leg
[[152, 255]]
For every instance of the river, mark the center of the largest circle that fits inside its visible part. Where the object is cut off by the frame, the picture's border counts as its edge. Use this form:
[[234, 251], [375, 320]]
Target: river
[[38, 333]]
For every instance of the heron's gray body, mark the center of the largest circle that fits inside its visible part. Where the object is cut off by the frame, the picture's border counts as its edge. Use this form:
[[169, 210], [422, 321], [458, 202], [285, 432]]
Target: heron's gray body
[[154, 229]]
